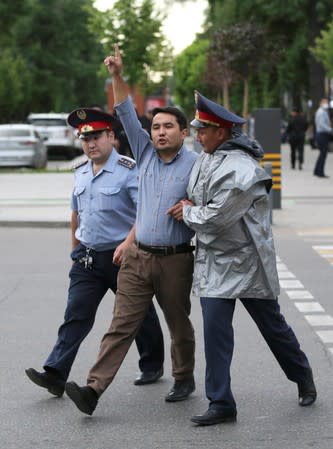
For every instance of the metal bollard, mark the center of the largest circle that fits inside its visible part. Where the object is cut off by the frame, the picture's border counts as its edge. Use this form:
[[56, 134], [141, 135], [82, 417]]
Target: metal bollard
[[268, 168]]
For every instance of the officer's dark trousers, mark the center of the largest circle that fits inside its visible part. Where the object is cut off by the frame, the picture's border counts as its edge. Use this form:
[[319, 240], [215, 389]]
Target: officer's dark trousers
[[323, 142], [219, 345], [86, 290]]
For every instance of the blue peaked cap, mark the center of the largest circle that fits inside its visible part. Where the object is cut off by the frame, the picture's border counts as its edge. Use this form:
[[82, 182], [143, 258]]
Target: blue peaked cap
[[209, 113]]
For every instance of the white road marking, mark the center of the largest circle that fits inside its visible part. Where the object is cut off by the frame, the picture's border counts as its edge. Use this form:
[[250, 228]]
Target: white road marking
[[326, 336], [291, 284], [319, 320], [281, 267], [306, 307], [295, 290], [286, 275], [299, 294]]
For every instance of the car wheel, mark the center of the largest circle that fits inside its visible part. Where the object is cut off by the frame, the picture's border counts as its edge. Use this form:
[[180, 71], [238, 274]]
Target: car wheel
[[42, 163]]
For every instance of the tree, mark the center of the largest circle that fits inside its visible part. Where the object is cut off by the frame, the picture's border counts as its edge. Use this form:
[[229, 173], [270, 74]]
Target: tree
[[239, 52], [15, 87], [62, 53], [294, 24], [323, 49], [220, 73], [137, 28], [9, 12], [189, 72]]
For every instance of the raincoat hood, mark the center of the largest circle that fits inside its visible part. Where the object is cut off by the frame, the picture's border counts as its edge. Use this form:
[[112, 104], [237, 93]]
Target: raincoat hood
[[242, 142]]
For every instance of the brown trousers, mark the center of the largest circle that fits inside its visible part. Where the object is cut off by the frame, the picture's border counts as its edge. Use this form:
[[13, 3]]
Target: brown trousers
[[143, 275]]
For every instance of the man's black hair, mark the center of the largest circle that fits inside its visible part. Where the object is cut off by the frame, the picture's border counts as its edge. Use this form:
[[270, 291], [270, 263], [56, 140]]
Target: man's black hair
[[180, 116]]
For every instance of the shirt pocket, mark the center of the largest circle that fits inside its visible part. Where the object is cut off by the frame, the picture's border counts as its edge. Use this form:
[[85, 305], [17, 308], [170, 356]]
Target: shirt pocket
[[79, 194], [108, 197]]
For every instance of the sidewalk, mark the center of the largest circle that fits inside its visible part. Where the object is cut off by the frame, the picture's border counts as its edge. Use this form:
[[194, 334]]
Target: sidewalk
[[307, 201], [43, 199]]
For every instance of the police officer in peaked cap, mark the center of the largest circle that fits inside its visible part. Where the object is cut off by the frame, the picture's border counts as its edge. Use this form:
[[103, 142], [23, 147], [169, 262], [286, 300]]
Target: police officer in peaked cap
[[103, 203], [228, 208]]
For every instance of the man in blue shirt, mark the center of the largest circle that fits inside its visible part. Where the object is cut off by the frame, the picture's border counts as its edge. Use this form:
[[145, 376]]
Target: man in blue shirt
[[103, 213], [160, 262]]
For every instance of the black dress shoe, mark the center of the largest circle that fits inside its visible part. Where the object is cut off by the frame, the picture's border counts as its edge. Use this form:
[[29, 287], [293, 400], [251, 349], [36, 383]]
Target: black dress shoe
[[148, 377], [321, 176], [49, 380], [307, 393], [180, 390], [213, 416], [85, 398]]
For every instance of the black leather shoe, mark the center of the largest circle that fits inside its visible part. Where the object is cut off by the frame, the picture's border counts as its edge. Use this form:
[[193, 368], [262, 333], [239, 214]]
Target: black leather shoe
[[85, 398], [321, 176], [148, 377], [307, 393], [181, 390], [213, 416], [49, 380]]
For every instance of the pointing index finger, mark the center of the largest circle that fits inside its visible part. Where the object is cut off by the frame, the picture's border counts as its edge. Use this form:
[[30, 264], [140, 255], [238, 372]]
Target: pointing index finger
[[116, 50]]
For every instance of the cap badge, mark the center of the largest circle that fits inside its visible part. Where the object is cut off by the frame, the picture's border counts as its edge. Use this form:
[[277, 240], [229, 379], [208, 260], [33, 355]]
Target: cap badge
[[86, 129], [81, 114]]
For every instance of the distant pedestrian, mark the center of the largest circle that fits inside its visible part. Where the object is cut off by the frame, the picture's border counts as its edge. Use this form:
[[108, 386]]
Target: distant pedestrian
[[323, 135], [104, 204], [296, 129]]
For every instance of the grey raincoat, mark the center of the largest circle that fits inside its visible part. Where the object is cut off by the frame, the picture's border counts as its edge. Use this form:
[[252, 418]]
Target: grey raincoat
[[235, 255]]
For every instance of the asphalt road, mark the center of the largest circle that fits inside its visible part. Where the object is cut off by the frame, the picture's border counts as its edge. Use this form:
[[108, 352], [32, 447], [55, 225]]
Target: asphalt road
[[34, 267], [33, 273]]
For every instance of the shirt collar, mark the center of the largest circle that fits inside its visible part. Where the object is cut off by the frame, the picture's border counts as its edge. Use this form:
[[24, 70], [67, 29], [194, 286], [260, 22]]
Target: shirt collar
[[109, 164], [177, 155]]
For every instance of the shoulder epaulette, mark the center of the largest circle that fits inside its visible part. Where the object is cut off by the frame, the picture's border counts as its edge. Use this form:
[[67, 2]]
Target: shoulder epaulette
[[127, 162], [80, 164]]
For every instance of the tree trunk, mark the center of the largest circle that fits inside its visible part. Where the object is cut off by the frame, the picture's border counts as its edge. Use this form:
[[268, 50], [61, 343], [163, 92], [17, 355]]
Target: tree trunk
[[245, 97], [316, 70], [226, 94]]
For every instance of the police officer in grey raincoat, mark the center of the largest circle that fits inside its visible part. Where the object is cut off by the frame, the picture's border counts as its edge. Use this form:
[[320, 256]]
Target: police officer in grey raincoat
[[228, 207]]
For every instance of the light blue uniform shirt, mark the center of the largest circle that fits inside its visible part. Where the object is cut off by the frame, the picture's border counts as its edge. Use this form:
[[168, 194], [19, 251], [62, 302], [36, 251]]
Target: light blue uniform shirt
[[105, 202], [161, 184], [322, 120]]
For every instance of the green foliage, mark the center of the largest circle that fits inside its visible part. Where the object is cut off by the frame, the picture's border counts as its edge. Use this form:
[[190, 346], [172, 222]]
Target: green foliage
[[323, 49], [14, 87], [62, 54], [291, 26], [9, 11], [189, 73], [137, 28]]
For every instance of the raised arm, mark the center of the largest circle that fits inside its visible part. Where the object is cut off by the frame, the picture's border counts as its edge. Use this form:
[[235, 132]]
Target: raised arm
[[114, 64]]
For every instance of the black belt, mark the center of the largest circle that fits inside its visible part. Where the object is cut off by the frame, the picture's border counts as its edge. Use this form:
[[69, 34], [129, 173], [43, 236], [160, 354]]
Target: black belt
[[166, 250]]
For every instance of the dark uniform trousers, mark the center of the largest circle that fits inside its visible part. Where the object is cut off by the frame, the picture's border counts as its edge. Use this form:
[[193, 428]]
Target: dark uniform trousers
[[143, 275], [323, 140], [86, 290], [219, 345]]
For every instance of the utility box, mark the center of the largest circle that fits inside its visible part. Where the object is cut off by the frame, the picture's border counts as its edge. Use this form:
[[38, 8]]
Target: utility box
[[267, 130]]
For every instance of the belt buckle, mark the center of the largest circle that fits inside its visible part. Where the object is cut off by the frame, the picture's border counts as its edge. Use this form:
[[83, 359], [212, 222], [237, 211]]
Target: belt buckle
[[166, 251]]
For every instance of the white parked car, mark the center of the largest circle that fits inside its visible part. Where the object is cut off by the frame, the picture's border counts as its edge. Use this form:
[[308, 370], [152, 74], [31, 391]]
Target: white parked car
[[60, 136], [21, 145]]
